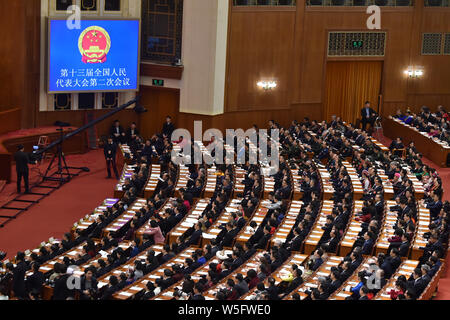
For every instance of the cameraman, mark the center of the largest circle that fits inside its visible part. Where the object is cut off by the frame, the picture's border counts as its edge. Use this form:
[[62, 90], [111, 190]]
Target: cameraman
[[22, 160]]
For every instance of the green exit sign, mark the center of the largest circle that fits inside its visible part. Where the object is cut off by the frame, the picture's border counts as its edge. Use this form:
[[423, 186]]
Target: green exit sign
[[357, 44], [158, 82]]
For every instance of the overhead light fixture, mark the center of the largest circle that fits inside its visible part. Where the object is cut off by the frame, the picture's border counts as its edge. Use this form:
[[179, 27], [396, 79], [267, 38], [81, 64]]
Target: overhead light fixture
[[414, 72], [267, 85], [418, 73]]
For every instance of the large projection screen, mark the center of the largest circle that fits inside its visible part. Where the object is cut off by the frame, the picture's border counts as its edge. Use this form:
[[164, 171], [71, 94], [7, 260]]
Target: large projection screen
[[101, 56]]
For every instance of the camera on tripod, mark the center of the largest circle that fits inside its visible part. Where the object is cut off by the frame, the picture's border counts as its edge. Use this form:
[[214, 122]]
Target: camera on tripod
[[35, 156]]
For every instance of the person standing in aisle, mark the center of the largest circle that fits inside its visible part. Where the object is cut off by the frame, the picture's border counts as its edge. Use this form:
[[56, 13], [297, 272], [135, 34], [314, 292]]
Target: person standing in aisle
[[110, 151]]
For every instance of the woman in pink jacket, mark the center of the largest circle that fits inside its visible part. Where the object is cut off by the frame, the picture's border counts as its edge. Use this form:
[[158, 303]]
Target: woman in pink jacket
[[155, 230]]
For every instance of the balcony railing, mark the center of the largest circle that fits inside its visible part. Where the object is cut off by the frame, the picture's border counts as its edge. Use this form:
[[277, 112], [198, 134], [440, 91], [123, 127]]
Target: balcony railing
[[264, 3], [437, 3], [360, 3]]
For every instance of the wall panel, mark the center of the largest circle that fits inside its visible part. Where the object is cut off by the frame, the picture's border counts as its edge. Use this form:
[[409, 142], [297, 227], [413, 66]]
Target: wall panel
[[76, 118], [308, 28], [260, 47]]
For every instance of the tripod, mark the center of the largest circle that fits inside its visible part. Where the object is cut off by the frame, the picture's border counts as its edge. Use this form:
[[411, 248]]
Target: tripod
[[62, 175]]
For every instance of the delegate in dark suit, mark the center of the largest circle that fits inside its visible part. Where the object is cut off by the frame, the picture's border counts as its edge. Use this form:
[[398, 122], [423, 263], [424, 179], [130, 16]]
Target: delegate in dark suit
[[117, 132], [368, 115], [19, 279], [110, 151], [22, 159]]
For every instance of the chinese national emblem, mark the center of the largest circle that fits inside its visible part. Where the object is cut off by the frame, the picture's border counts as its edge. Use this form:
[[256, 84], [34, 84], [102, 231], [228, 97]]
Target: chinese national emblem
[[94, 44]]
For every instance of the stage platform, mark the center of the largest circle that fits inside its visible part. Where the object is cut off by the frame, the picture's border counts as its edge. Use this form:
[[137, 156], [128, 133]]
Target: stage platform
[[29, 138]]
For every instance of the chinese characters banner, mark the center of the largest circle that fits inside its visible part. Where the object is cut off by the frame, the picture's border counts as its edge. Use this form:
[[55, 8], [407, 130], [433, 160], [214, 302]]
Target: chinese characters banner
[[103, 55]]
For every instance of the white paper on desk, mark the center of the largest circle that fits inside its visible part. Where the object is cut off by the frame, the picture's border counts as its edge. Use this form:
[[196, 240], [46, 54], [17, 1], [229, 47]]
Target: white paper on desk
[[208, 236], [187, 224], [191, 220], [135, 288], [103, 253], [127, 294], [408, 268]]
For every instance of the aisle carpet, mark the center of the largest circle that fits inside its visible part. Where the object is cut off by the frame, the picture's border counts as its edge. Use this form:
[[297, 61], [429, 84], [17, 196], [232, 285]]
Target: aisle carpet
[[54, 215]]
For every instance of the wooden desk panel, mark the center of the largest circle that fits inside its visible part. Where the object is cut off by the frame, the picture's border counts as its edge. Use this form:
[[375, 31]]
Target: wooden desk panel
[[286, 268], [127, 172], [316, 233], [406, 268], [387, 229], [285, 227], [152, 182], [168, 204], [258, 217], [141, 284], [342, 292], [225, 216], [89, 219], [189, 220], [196, 275], [353, 229], [422, 226], [424, 144], [252, 263]]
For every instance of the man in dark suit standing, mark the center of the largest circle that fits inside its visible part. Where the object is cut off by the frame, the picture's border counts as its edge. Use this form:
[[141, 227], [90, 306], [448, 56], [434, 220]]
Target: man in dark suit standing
[[19, 276], [168, 127], [132, 133], [117, 132], [110, 150], [368, 115], [22, 159]]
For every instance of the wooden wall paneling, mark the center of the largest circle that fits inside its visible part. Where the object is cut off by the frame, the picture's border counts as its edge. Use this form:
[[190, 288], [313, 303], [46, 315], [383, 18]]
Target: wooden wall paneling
[[76, 119], [10, 120], [161, 71], [31, 76], [415, 101], [160, 102], [436, 68], [12, 54], [260, 47], [19, 58]]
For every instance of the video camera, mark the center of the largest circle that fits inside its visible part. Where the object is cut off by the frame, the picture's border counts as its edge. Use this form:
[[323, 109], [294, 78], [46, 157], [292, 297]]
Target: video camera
[[36, 156]]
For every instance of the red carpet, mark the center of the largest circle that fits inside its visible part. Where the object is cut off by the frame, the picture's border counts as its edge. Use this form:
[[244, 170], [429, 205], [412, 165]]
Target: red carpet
[[54, 215]]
